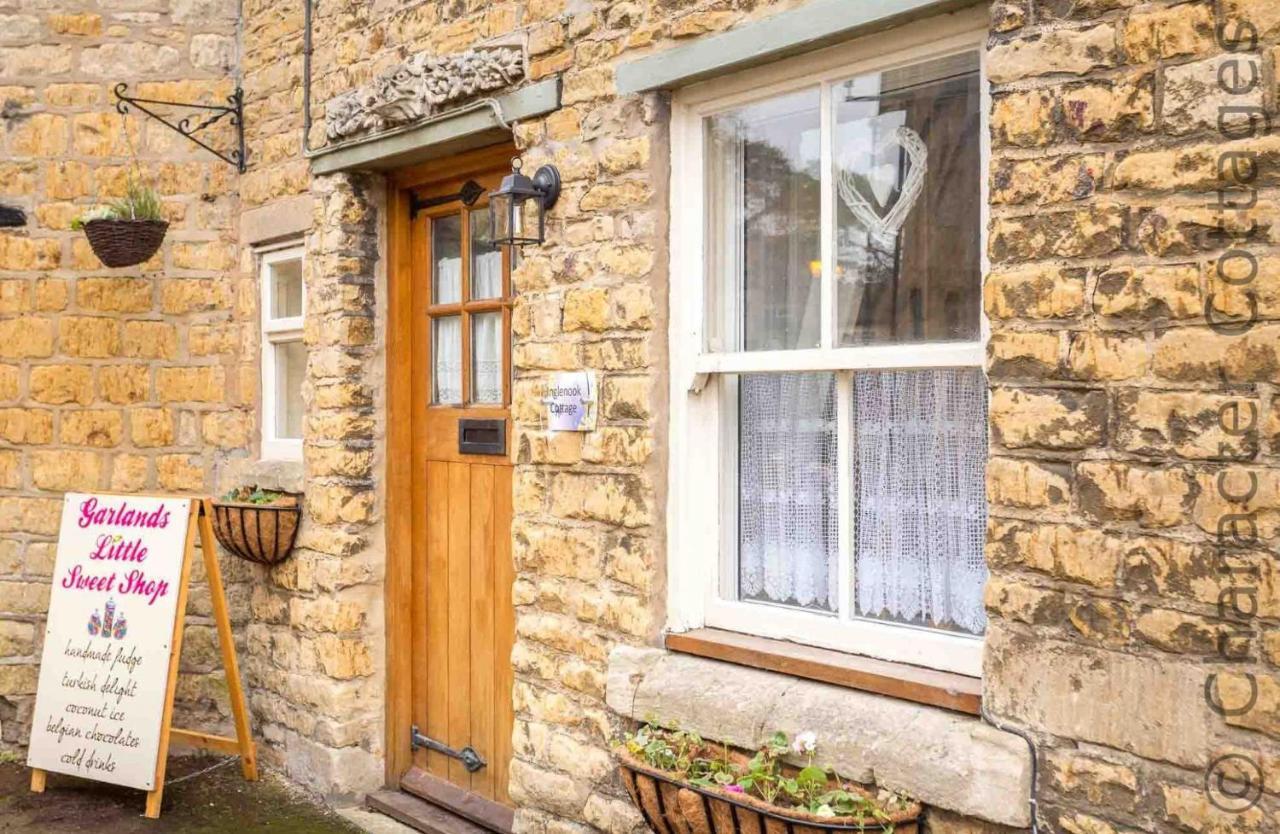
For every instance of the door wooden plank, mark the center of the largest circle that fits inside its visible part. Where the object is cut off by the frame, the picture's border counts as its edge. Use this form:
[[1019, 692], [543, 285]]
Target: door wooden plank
[[504, 624], [459, 680], [429, 534], [400, 585], [483, 658], [433, 660]]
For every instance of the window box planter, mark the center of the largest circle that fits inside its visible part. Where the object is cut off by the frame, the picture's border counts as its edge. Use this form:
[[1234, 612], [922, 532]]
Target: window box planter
[[257, 532], [125, 242], [672, 806]]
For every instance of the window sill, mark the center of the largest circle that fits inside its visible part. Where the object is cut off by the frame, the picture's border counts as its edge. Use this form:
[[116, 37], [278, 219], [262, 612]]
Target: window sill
[[943, 758], [947, 690], [280, 474]]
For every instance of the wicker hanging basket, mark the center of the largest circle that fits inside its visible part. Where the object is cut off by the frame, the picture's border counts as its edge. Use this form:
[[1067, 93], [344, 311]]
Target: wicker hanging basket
[[261, 533], [125, 242], [670, 806]]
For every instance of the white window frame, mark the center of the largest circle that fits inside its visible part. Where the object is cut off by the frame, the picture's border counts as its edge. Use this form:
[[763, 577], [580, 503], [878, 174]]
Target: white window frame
[[699, 472], [276, 331]]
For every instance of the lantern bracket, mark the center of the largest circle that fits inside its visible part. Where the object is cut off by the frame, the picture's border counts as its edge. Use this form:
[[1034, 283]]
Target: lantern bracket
[[547, 181], [234, 109]]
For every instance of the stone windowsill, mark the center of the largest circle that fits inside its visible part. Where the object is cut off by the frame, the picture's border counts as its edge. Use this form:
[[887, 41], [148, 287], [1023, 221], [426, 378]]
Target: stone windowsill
[[280, 475], [944, 759]]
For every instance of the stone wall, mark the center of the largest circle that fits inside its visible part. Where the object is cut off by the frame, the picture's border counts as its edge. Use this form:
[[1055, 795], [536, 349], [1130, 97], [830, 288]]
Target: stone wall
[[1133, 406], [588, 538], [1115, 407], [112, 379], [316, 644]]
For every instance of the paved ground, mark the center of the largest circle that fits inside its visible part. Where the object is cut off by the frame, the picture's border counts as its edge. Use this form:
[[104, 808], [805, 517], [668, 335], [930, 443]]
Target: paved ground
[[215, 802]]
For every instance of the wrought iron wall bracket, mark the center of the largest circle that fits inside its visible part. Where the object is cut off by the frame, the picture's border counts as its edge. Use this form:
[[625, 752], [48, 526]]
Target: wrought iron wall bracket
[[214, 113]]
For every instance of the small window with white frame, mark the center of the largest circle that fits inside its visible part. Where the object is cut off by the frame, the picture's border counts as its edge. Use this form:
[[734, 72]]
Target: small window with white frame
[[284, 356], [829, 404]]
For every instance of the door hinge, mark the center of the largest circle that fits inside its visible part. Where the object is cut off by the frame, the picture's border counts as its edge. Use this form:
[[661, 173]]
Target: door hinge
[[468, 756], [468, 194]]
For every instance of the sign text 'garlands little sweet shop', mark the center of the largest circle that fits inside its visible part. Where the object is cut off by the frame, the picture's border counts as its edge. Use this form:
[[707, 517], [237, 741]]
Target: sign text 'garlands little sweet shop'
[[104, 671]]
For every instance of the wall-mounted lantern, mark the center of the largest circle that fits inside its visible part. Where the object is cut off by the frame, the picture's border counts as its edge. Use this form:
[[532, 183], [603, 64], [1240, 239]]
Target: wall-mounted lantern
[[518, 209]]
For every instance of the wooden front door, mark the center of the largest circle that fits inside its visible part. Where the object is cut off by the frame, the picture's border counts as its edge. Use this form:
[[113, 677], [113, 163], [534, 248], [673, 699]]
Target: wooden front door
[[463, 624]]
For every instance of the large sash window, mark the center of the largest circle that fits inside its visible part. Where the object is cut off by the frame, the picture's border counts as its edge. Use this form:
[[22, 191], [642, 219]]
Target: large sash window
[[829, 406]]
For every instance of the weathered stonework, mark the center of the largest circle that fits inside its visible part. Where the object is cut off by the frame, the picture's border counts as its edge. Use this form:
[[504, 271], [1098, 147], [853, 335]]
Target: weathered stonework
[[1110, 387], [113, 379], [1111, 602]]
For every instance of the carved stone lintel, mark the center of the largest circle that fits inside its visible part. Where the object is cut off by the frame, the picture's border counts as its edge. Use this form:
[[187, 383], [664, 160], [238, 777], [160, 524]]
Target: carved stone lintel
[[419, 87]]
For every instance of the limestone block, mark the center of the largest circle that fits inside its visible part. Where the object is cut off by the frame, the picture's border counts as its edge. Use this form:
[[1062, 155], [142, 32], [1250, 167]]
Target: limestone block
[[1186, 424], [1148, 707], [1143, 293], [1106, 356], [61, 384], [1048, 418], [1027, 484], [1035, 292], [1195, 97], [91, 427], [1074, 51], [1172, 32]]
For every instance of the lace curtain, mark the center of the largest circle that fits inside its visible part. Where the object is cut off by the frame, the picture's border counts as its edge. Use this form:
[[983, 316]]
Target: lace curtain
[[486, 280], [446, 356], [787, 486], [486, 332], [920, 502], [448, 278]]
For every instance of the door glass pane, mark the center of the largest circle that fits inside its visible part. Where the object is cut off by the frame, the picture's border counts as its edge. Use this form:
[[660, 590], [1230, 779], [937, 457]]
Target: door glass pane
[[286, 289], [486, 261], [290, 369], [787, 482], [762, 172], [446, 360], [919, 504], [907, 168], [446, 256], [486, 358]]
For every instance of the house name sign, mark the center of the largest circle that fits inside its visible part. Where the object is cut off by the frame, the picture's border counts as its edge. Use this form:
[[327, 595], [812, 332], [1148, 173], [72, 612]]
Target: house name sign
[[571, 401]]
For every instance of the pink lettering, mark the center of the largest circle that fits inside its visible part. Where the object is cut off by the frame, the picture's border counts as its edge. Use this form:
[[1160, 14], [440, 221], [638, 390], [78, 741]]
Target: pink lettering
[[117, 549], [81, 581]]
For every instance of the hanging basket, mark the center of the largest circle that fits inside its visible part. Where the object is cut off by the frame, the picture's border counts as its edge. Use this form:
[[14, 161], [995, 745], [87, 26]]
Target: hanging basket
[[261, 533], [125, 242], [670, 806]]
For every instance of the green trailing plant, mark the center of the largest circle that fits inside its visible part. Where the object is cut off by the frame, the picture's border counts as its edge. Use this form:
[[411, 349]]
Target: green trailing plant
[[257, 495], [140, 202], [766, 775]]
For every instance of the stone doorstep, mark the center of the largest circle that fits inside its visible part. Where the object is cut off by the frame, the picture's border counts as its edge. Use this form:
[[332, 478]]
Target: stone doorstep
[[374, 822], [944, 759]]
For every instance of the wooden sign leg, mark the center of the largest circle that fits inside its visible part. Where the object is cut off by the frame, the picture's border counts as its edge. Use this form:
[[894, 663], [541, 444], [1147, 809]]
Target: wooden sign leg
[[156, 794], [226, 642], [38, 777]]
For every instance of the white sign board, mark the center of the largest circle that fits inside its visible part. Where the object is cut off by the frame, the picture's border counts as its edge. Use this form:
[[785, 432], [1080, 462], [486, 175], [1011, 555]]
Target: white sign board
[[571, 401], [105, 668]]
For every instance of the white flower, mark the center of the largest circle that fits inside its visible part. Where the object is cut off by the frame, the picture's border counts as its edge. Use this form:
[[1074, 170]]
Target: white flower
[[805, 743]]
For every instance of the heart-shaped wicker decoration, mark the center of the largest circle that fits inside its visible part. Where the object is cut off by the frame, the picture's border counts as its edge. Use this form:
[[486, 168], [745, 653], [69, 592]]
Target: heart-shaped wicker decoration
[[890, 221]]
